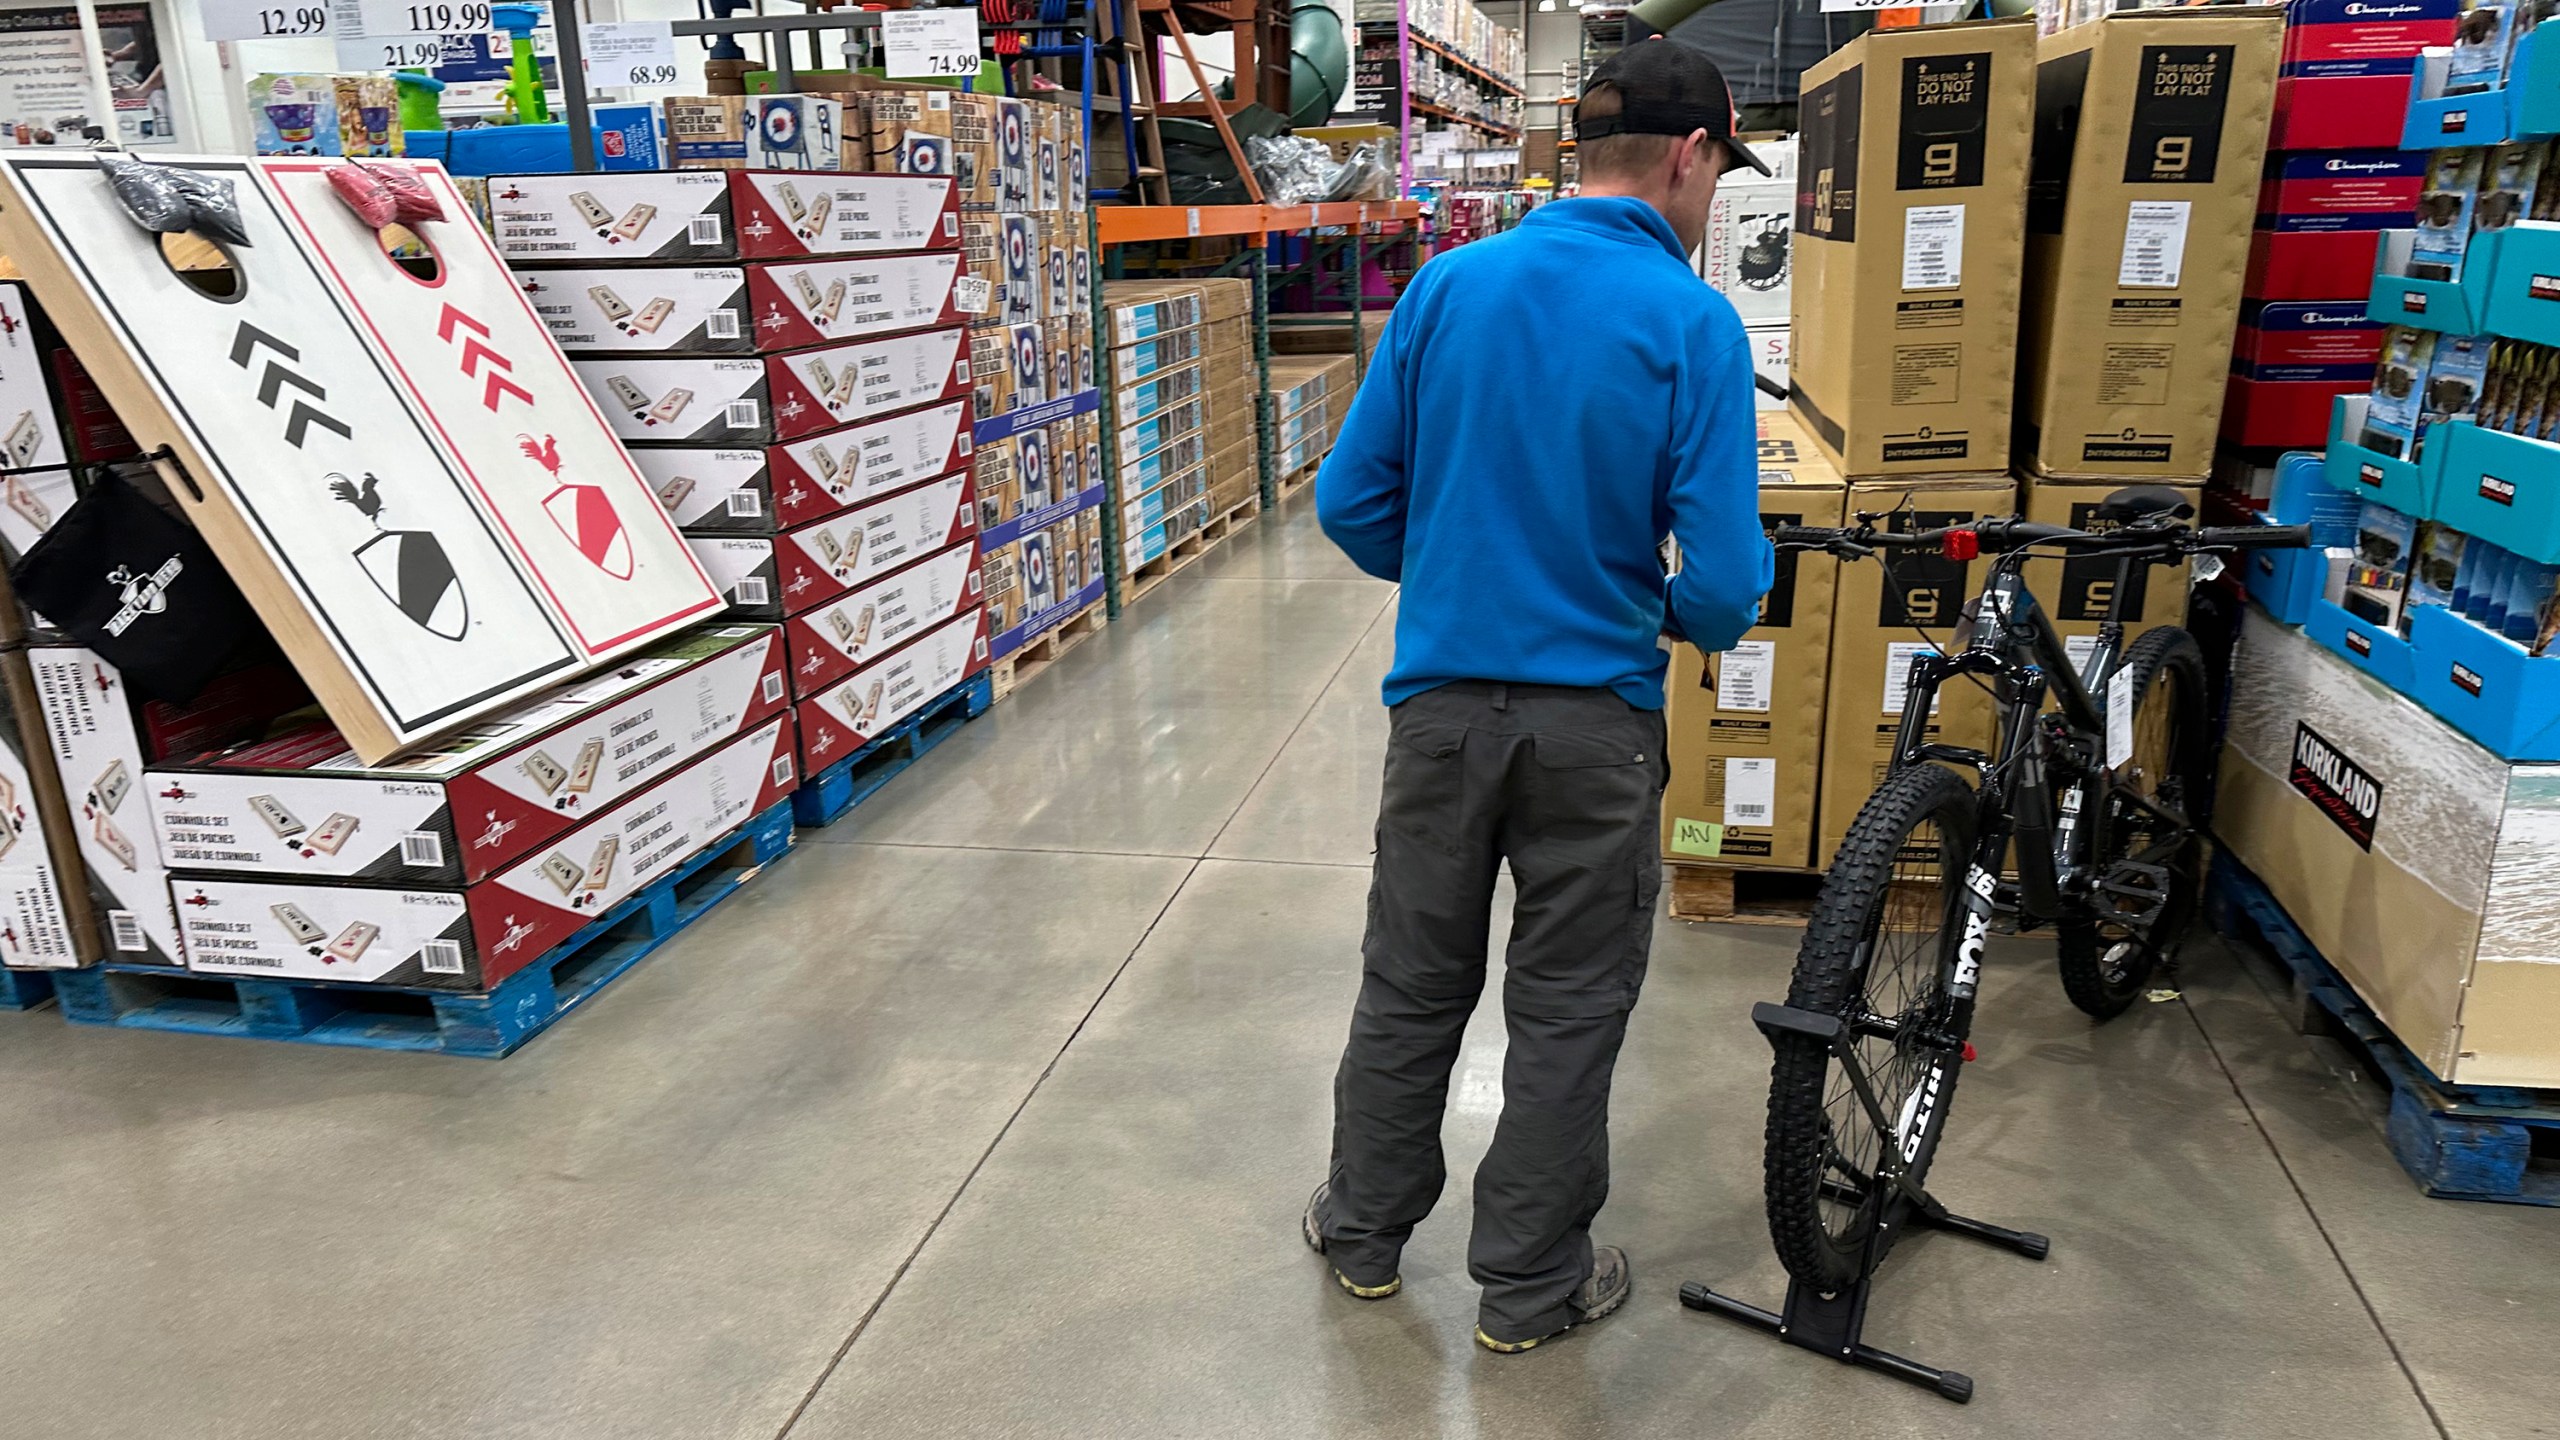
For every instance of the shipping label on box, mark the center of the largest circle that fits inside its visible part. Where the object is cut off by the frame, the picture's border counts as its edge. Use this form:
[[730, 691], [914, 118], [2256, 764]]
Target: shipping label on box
[[826, 559], [747, 568], [818, 476], [830, 642], [303, 806], [821, 389], [811, 302], [693, 401], [97, 746], [667, 309], [785, 217], [854, 711], [711, 491]]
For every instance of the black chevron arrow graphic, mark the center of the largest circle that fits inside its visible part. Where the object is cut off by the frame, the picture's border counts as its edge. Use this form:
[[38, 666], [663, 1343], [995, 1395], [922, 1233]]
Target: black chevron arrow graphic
[[302, 417], [249, 337], [277, 377]]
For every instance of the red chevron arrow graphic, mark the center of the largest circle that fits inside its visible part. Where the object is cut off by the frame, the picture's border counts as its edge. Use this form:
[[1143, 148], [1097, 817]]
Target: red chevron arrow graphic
[[452, 317], [499, 383], [473, 352]]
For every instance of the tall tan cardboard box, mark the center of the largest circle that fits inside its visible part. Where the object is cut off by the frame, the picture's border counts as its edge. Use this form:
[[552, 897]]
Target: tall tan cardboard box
[[1746, 725], [2151, 128], [1889, 610], [2076, 592], [1909, 233]]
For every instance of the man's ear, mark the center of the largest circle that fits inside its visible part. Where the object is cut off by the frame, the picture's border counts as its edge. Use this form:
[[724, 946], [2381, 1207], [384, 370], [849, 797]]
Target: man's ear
[[1697, 151]]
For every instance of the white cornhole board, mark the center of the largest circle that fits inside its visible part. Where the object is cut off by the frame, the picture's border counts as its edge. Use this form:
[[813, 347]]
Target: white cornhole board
[[403, 475]]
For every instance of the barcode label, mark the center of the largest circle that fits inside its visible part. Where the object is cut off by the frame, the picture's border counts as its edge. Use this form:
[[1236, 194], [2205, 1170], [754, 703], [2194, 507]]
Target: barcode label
[[441, 957], [745, 414], [1750, 791], [126, 931], [782, 770], [702, 230], [422, 847], [722, 325], [752, 590], [773, 687], [745, 504]]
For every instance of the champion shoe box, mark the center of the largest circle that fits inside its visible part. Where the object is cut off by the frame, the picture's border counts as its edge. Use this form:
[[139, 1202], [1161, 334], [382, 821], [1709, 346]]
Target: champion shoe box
[[2347, 68], [696, 216], [458, 936], [752, 308]]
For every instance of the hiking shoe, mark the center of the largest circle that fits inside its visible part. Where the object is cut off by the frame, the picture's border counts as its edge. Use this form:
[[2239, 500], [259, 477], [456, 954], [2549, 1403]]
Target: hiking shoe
[[1595, 1299], [1314, 1235]]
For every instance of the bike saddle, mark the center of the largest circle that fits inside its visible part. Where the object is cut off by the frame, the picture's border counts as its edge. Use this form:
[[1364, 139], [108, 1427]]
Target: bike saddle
[[2144, 502]]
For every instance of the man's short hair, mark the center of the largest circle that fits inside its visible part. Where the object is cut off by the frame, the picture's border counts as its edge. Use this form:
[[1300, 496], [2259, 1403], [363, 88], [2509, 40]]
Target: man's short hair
[[1616, 156]]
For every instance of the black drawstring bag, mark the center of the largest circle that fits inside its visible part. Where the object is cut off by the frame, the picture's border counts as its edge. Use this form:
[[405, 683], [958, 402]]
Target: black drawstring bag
[[132, 582]]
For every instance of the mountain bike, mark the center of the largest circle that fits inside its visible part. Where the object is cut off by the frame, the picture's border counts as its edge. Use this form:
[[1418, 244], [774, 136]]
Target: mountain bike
[[2099, 797]]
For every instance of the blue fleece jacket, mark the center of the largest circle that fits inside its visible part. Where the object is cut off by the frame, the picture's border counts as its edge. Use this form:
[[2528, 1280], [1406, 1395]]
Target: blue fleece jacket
[[1542, 408]]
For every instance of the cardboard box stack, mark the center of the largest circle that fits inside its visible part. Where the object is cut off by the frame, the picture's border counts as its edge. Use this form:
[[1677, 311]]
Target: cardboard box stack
[[787, 355], [1019, 168], [2334, 181], [1181, 373], [1310, 395]]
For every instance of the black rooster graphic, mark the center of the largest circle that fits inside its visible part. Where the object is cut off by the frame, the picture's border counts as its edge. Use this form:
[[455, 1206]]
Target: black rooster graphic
[[409, 567]]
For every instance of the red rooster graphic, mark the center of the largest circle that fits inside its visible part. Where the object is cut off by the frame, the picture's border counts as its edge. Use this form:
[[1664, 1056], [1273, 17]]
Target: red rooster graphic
[[583, 512]]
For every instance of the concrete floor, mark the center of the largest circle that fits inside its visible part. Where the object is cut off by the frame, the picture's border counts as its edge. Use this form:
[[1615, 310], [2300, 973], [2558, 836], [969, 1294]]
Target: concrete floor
[[990, 1113]]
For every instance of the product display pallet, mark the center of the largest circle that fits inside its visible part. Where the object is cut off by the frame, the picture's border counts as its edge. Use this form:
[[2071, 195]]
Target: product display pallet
[[1046, 648], [484, 1026], [1769, 895], [2459, 1142], [824, 797], [1298, 479], [25, 989], [1187, 551]]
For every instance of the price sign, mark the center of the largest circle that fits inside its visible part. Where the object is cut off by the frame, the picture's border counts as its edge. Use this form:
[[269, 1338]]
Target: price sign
[[630, 52], [389, 52], [929, 44], [394, 18], [263, 20]]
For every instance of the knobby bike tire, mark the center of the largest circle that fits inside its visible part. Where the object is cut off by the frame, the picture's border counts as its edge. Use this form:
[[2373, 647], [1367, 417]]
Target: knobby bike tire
[[1827, 1247], [2106, 966]]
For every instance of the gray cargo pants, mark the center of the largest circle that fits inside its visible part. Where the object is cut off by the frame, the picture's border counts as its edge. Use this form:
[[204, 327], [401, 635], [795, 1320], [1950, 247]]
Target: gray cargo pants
[[1565, 784]]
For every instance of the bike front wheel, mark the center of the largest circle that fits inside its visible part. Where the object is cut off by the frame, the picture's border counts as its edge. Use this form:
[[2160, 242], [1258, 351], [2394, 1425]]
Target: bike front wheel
[[1877, 955]]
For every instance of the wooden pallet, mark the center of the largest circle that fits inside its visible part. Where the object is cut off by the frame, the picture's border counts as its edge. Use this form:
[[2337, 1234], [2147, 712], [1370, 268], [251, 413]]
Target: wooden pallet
[[1298, 480], [1768, 895], [25, 989], [1046, 648], [1189, 550], [824, 797], [2459, 1142], [380, 1017]]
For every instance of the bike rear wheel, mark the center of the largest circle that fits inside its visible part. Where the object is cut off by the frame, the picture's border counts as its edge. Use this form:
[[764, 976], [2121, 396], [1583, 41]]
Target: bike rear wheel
[[2145, 848], [1876, 954]]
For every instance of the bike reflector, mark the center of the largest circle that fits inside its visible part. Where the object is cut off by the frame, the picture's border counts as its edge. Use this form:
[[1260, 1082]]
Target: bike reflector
[[1960, 545]]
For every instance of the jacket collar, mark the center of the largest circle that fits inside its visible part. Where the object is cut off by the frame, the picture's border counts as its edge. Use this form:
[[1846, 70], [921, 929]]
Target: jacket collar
[[1612, 217]]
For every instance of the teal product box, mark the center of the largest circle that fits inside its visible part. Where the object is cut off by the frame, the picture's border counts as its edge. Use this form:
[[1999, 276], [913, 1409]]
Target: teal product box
[[2401, 296], [2521, 298], [2487, 686], [2505, 487], [630, 137], [2374, 649]]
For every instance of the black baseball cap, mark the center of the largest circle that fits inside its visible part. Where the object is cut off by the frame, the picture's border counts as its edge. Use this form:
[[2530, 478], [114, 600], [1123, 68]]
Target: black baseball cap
[[1666, 88]]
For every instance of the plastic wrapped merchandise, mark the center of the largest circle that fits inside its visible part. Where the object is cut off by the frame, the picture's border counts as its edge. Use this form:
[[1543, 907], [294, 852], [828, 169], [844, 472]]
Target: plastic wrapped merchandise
[[166, 200], [1293, 170], [1353, 178]]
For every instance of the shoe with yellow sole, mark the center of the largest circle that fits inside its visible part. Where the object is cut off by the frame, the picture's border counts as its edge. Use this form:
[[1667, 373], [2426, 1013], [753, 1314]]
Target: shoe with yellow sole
[[1595, 1299], [1314, 1234]]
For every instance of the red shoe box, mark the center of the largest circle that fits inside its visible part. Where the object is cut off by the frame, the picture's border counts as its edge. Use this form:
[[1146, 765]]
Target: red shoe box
[[2288, 414], [2313, 266], [2292, 341]]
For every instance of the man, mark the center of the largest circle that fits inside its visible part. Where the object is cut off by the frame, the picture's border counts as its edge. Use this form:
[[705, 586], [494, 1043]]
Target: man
[[1542, 408]]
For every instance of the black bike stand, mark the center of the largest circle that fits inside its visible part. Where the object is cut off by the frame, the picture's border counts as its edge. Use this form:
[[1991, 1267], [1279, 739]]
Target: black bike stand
[[1830, 1324]]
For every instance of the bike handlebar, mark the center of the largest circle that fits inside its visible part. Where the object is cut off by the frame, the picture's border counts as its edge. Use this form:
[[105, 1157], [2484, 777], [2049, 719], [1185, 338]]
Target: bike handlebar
[[1997, 536]]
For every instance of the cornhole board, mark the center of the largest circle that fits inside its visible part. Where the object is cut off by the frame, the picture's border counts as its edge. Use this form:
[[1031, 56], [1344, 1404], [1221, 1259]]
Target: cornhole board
[[397, 468]]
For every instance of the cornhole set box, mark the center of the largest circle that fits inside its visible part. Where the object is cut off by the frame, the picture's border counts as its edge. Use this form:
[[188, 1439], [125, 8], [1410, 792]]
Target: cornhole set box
[[827, 558], [1909, 234], [413, 491], [1746, 724], [36, 884], [101, 747], [2150, 136], [834, 640], [812, 478], [747, 570], [767, 398], [457, 937], [301, 806], [711, 492], [752, 308], [855, 711], [656, 310], [704, 215]]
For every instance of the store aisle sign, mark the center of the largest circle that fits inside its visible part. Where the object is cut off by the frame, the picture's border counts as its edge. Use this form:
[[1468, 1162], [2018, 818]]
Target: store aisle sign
[[929, 44], [629, 52], [265, 19]]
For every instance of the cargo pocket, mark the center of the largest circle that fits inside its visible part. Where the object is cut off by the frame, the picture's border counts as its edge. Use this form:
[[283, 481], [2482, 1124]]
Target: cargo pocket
[[1604, 784], [1425, 786], [1639, 940]]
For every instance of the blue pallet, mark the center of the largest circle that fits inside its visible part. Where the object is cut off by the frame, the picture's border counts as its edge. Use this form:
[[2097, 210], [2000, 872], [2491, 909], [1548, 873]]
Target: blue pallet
[[379, 1017], [824, 797], [25, 989], [2459, 1142]]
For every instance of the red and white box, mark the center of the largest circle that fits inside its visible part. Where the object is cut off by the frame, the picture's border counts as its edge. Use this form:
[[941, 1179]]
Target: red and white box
[[760, 399], [858, 709], [470, 938], [822, 474], [798, 303], [834, 385], [837, 638], [302, 806], [818, 562], [689, 216]]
